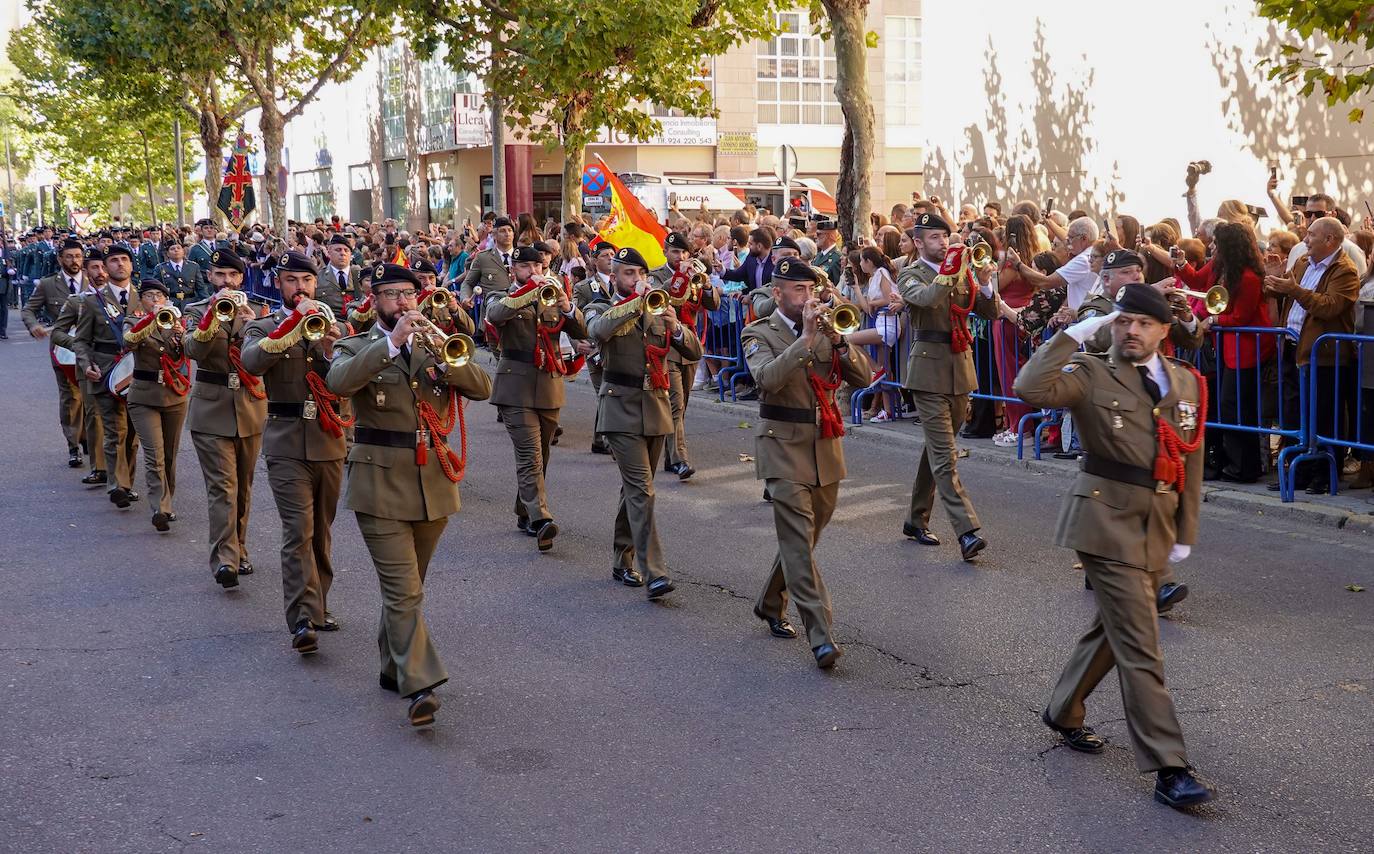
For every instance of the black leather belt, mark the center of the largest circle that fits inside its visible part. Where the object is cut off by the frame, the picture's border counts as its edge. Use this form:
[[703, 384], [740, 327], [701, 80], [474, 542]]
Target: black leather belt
[[147, 376], [787, 413], [932, 336], [212, 377], [107, 349], [385, 438], [1122, 473], [617, 378], [285, 409], [518, 355]]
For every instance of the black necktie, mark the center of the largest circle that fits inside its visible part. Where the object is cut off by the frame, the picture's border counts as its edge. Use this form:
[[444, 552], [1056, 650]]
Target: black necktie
[[1151, 387], [343, 281], [505, 258], [123, 299], [71, 285]]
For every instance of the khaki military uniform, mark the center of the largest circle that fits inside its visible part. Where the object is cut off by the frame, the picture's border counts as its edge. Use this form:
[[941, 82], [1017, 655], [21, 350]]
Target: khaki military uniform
[[44, 306], [941, 381], [527, 395], [1099, 305], [402, 504], [328, 291], [304, 462], [585, 292], [635, 417], [488, 270], [1123, 524], [91, 429], [682, 372], [226, 421], [94, 340], [156, 408], [802, 471]]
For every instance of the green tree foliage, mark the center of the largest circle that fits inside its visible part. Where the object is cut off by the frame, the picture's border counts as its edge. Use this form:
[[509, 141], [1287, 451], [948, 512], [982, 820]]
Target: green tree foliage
[[1339, 65]]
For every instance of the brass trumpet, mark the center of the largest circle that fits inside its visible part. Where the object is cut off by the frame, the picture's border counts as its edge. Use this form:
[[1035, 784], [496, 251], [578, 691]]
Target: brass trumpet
[[226, 307], [656, 301], [980, 255], [454, 350], [698, 276], [441, 298], [317, 324], [167, 317], [549, 292], [1216, 297]]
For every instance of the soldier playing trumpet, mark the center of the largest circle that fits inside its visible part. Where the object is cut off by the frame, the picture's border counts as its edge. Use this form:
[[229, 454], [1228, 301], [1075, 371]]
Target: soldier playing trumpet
[[157, 394]]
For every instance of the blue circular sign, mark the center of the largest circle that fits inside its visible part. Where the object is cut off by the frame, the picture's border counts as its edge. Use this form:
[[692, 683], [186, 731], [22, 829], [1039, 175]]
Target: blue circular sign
[[593, 181]]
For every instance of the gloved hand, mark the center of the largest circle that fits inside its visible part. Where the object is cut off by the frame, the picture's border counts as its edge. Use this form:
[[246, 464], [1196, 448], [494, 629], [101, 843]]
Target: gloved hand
[[1085, 329], [1179, 552]]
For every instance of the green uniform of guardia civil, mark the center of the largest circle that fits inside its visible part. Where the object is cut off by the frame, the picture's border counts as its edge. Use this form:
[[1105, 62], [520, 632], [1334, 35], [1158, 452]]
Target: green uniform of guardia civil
[[199, 254], [155, 408], [801, 469], [182, 280], [940, 380], [1123, 531], [43, 307], [97, 314], [402, 505], [829, 261]]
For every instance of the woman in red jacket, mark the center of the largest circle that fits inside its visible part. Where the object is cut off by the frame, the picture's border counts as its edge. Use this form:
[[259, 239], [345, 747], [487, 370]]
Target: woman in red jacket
[[1237, 265]]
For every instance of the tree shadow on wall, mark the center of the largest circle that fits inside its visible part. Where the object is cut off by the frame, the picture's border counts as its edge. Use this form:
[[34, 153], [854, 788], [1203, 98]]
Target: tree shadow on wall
[[1048, 157]]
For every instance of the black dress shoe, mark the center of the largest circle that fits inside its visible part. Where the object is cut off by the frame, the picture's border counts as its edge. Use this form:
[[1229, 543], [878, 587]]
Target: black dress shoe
[[920, 535], [558, 431], [545, 530], [74, 458], [245, 568], [133, 496], [971, 544], [304, 640], [171, 517], [1318, 487], [329, 625], [120, 497], [660, 587], [766, 496], [630, 577], [826, 655], [1170, 595], [1087, 583], [160, 522], [226, 577], [95, 478], [423, 705], [600, 448], [522, 524], [388, 683], [1231, 475], [1178, 788], [1082, 738], [684, 471], [1067, 455], [779, 627]]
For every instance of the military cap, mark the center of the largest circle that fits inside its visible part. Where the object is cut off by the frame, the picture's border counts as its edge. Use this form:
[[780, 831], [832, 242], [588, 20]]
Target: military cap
[[604, 245], [1137, 298], [526, 253], [296, 262], [1121, 258], [785, 242], [205, 221], [502, 222], [795, 270], [932, 222], [391, 274], [630, 257], [152, 284], [827, 225], [117, 249], [424, 265], [675, 241], [339, 240], [93, 253], [227, 259]]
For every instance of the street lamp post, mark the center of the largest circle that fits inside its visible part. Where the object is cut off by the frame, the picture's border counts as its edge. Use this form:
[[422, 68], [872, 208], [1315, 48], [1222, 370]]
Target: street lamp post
[[181, 190], [148, 173]]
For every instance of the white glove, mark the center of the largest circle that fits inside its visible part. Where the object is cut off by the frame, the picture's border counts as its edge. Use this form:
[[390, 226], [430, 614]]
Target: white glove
[[1179, 552], [1085, 329]]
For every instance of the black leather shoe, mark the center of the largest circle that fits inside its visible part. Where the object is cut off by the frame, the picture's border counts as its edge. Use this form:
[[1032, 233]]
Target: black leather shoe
[[766, 496], [558, 431], [133, 496], [629, 577], [95, 478], [1087, 583], [1170, 595], [826, 655], [226, 577], [684, 471], [599, 447], [388, 683], [971, 544], [423, 705], [545, 530], [304, 640], [160, 522], [660, 587], [120, 497], [171, 517], [1178, 788], [1082, 738], [522, 524], [1067, 455], [778, 628], [920, 535], [245, 568], [329, 625], [1318, 487], [74, 459]]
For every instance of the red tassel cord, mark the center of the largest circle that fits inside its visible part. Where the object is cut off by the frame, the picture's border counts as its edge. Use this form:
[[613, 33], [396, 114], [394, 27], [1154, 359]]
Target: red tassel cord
[[251, 383], [832, 425], [1171, 449], [454, 465], [331, 420]]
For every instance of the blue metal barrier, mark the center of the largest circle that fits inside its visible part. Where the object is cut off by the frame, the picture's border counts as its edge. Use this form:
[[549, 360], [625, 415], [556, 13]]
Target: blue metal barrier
[[890, 378], [722, 345], [1320, 446]]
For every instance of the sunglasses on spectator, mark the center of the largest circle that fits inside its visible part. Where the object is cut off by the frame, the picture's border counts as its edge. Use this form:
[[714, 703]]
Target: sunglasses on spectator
[[1314, 214]]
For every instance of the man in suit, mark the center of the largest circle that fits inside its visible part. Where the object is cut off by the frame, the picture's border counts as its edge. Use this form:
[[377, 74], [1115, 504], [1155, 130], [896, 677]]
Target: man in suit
[[402, 472], [304, 444], [200, 253], [1126, 523], [339, 277], [798, 364], [757, 270], [1319, 297], [39, 313], [157, 397], [940, 289], [529, 386], [181, 277], [228, 407], [490, 268], [634, 413]]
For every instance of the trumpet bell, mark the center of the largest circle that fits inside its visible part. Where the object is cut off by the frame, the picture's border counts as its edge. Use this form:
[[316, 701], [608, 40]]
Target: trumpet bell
[[548, 295], [844, 319], [980, 255], [457, 350], [166, 318], [314, 327], [224, 309], [439, 299], [1216, 298], [656, 301]]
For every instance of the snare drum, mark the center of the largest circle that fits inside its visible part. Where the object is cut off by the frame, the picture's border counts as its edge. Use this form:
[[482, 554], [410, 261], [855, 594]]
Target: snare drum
[[119, 377]]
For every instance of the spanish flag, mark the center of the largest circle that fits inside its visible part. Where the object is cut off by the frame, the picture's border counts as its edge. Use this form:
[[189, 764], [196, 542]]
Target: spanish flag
[[630, 223], [399, 257]]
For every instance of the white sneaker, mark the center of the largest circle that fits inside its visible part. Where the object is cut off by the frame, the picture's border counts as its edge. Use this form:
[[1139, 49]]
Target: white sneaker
[[881, 418], [1005, 439]]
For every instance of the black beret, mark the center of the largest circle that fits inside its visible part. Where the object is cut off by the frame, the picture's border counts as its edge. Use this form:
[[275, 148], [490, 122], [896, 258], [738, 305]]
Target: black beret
[[206, 221], [675, 240], [547, 246], [118, 249], [795, 270], [527, 254], [1136, 298], [827, 225], [365, 274], [785, 242], [424, 265], [93, 253], [71, 243], [1122, 258], [227, 259], [296, 262], [603, 246], [503, 222], [340, 240], [630, 257], [933, 222], [391, 274], [153, 285]]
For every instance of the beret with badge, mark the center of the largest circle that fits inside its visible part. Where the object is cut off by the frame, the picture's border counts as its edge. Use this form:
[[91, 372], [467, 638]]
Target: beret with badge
[[527, 254], [630, 257], [795, 270], [296, 262], [393, 274], [675, 241], [1143, 299], [785, 242], [118, 249], [226, 259], [424, 265], [1120, 259], [151, 284], [931, 222]]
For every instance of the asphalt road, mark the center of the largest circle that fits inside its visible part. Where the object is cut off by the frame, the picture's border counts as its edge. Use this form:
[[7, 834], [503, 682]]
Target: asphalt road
[[144, 709]]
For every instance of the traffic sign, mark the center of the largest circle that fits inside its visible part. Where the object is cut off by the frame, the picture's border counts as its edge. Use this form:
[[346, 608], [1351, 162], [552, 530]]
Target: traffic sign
[[591, 202], [593, 180], [785, 165]]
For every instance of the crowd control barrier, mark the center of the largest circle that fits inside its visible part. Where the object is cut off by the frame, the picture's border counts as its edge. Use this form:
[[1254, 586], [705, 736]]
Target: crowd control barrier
[[1357, 435]]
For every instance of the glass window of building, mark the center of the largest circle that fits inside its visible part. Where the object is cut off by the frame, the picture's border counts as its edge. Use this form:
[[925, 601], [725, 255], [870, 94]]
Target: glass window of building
[[903, 71], [439, 82], [441, 201], [314, 193], [796, 76], [548, 196], [393, 106], [397, 200]]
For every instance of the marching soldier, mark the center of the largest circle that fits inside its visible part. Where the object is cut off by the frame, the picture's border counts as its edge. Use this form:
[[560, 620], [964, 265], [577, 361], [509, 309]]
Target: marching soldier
[[361, 314], [490, 268], [304, 444], [402, 473], [798, 362], [200, 253], [597, 286], [634, 413], [92, 278], [181, 277], [338, 282], [157, 394], [939, 288], [529, 385], [228, 407], [1132, 511], [46, 303]]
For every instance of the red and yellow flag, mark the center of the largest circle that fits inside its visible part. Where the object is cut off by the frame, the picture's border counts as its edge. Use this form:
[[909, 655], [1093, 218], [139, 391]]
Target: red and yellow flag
[[630, 224]]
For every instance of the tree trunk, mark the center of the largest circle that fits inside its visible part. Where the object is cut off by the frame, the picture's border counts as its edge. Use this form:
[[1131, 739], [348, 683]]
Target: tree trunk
[[212, 143], [574, 160], [273, 140], [417, 183], [853, 194]]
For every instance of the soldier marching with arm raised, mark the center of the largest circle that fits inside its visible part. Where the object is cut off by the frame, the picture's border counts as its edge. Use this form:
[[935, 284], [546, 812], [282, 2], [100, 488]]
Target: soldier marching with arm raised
[[157, 395]]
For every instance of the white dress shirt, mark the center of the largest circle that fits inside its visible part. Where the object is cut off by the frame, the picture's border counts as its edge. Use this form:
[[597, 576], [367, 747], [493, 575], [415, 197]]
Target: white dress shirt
[[1297, 315]]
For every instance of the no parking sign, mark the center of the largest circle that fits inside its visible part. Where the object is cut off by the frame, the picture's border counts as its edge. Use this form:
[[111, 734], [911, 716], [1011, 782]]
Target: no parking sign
[[593, 181]]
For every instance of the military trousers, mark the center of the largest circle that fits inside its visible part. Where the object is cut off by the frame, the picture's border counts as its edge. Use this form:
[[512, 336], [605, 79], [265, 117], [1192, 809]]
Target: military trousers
[[69, 414], [121, 443], [92, 430], [680, 376], [159, 430], [531, 431], [800, 514], [401, 552], [636, 537], [941, 417], [228, 464], [1124, 635], [307, 496]]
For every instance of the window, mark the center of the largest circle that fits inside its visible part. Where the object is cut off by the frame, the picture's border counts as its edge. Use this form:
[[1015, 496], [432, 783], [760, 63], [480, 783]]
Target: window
[[796, 76], [548, 197], [488, 194], [393, 105], [439, 82], [903, 71], [441, 201], [397, 201], [314, 194]]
